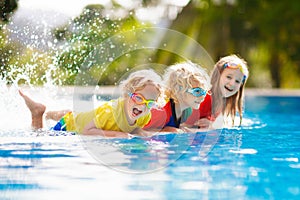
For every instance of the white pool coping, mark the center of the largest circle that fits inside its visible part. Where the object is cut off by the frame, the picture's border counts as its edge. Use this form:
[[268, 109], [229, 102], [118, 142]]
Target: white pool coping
[[248, 92], [271, 92], [112, 90]]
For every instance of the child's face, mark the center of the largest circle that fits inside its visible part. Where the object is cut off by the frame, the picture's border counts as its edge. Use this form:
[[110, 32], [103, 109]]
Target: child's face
[[195, 95], [140, 102], [230, 81]]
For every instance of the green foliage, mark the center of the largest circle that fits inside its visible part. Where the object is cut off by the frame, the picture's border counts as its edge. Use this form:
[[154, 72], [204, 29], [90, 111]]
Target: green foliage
[[7, 52], [259, 73], [256, 30], [264, 32], [7, 7], [29, 68], [82, 36], [19, 64], [22, 65]]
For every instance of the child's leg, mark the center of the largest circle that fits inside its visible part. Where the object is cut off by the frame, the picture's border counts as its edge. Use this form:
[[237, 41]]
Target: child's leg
[[37, 110], [56, 115]]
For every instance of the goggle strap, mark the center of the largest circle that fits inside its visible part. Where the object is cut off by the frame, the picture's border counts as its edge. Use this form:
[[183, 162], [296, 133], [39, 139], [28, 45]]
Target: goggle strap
[[237, 67]]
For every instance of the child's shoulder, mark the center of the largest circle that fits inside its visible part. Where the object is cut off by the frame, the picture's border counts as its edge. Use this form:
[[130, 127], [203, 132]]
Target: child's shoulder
[[107, 105]]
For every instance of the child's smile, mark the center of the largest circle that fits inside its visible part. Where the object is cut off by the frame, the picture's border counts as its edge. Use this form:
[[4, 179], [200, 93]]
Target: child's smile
[[136, 112], [198, 102], [230, 81], [227, 88]]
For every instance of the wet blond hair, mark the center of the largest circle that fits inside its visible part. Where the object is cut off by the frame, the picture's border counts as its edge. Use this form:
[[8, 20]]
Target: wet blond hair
[[233, 104], [179, 77], [140, 79]]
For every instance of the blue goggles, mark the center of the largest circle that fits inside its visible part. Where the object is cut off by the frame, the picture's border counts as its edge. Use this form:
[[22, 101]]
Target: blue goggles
[[197, 92]]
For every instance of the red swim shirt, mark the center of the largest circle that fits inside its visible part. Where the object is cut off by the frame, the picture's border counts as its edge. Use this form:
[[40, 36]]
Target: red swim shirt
[[205, 111]]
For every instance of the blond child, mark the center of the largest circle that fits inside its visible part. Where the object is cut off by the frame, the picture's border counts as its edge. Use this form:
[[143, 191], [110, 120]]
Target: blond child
[[186, 85], [228, 81], [115, 118]]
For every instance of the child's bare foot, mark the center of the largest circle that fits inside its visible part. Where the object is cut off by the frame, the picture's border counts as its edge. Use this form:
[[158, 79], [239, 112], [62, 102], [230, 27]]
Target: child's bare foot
[[37, 110]]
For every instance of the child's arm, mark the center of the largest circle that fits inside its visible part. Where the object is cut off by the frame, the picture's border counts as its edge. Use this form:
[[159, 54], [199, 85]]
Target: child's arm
[[143, 133], [91, 129], [200, 123], [194, 130], [171, 129]]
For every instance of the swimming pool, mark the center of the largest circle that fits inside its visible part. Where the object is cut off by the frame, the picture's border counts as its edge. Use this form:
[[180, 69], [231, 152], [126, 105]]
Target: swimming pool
[[258, 161]]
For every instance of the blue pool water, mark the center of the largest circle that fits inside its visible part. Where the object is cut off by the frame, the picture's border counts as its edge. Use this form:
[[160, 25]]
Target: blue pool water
[[258, 161]]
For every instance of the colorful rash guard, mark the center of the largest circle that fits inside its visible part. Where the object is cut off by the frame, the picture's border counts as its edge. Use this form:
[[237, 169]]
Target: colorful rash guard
[[109, 116], [204, 111], [166, 116]]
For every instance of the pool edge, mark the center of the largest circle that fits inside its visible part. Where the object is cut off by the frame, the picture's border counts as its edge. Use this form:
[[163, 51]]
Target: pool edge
[[271, 92]]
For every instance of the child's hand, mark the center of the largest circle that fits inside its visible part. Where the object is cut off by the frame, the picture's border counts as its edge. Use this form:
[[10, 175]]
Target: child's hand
[[203, 123]]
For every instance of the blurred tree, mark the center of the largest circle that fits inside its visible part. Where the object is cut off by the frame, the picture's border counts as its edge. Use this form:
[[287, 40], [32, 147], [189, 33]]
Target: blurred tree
[[76, 41], [277, 23], [262, 32], [7, 50], [84, 35], [19, 64], [243, 26], [7, 7]]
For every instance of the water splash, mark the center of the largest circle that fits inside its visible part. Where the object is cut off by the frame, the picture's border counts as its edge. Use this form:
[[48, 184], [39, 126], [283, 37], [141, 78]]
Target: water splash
[[12, 113]]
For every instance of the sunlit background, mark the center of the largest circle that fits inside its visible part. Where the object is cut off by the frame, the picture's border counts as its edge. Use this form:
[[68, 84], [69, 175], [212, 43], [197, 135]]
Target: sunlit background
[[46, 41]]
